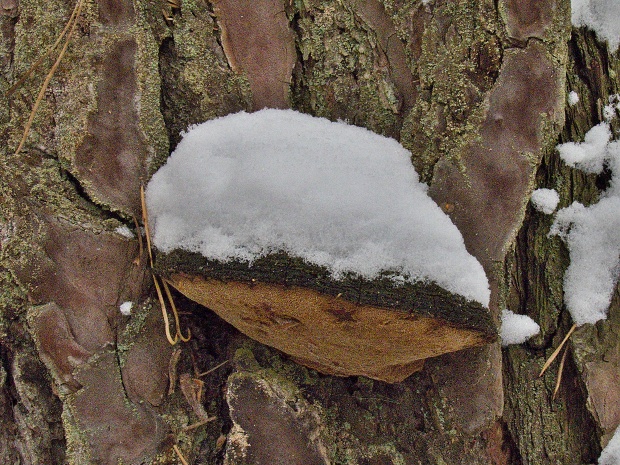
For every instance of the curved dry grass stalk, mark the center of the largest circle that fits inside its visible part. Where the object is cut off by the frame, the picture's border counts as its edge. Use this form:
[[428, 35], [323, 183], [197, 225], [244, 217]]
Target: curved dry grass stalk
[[145, 221], [556, 351], [180, 455], [164, 312], [36, 64], [50, 74], [175, 313], [560, 371], [147, 232]]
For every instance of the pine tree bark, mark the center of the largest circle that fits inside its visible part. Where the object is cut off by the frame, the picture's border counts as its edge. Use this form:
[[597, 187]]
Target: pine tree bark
[[475, 89]]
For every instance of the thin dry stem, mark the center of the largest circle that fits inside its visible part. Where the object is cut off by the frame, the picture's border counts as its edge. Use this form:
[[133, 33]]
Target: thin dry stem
[[138, 259], [164, 313], [175, 313], [560, 371], [145, 220], [147, 233], [48, 78], [36, 64], [212, 369], [557, 351], [181, 458], [172, 370], [199, 424]]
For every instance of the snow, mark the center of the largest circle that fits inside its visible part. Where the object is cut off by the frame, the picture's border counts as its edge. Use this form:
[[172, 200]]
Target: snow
[[601, 16], [573, 98], [589, 155], [545, 200], [611, 110], [611, 453], [336, 195], [592, 233], [125, 308], [124, 231], [516, 329]]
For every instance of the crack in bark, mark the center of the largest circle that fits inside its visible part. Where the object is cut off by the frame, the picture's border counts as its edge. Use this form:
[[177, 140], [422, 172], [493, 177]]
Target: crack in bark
[[93, 206]]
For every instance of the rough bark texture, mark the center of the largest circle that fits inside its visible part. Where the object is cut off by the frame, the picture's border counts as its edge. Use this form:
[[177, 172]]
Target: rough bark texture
[[80, 383]]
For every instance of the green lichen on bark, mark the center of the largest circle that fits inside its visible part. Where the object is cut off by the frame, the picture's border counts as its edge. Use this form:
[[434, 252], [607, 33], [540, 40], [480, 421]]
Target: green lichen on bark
[[344, 75], [461, 54], [198, 83], [149, 91]]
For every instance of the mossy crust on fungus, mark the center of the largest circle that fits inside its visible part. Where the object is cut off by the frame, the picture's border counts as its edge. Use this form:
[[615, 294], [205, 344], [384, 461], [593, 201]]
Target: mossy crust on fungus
[[417, 299]]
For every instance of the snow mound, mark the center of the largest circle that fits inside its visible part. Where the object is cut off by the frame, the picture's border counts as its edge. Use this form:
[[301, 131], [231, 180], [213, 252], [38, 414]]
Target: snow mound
[[611, 454], [545, 200], [602, 16], [592, 233], [338, 196], [573, 98], [516, 329]]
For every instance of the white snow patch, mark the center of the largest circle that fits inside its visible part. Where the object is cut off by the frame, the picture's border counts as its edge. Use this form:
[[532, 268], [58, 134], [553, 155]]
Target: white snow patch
[[592, 233], [573, 98], [517, 329], [611, 110], [336, 195], [589, 155], [602, 16], [545, 200], [611, 453], [125, 232], [125, 308]]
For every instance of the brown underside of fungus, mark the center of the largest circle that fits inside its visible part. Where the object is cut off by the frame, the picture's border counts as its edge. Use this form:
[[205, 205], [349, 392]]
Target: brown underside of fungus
[[349, 327]]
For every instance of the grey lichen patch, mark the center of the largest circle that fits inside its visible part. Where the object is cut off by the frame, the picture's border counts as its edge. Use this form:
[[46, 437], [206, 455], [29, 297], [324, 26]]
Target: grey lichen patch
[[197, 82], [264, 405], [344, 75], [77, 441], [151, 120], [460, 55], [133, 330], [38, 26]]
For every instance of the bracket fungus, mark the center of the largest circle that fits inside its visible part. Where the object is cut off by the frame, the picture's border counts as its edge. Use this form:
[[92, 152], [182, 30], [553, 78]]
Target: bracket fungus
[[317, 238]]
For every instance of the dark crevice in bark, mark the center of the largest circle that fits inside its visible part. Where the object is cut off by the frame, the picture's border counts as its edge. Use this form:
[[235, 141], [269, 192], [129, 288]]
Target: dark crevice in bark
[[8, 401], [92, 206], [575, 394], [217, 31], [298, 84], [168, 76], [33, 425], [7, 30], [213, 341]]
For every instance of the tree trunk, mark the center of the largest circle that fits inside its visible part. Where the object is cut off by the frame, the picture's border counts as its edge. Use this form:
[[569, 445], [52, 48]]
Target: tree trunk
[[475, 89]]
